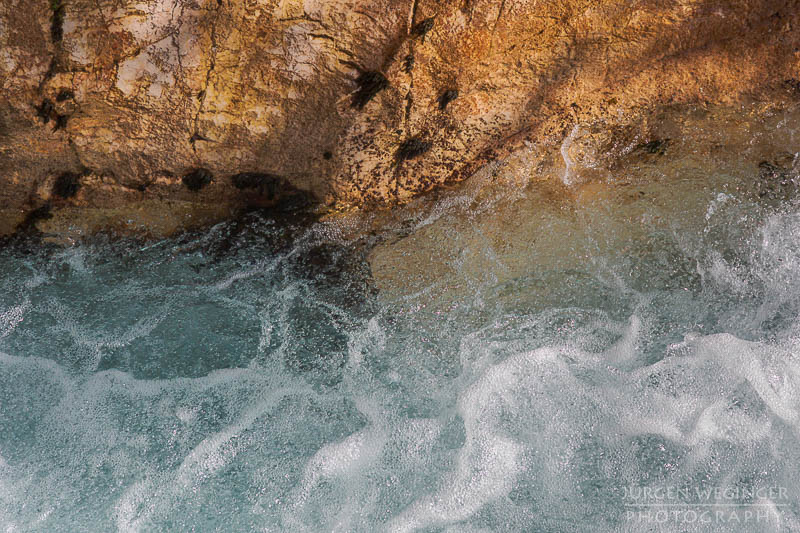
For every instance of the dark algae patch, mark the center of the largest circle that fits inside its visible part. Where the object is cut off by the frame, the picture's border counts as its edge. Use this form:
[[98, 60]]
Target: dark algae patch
[[408, 63], [412, 148], [369, 83], [65, 94], [447, 97], [267, 184], [57, 21], [45, 110], [422, 28], [61, 122], [197, 179]]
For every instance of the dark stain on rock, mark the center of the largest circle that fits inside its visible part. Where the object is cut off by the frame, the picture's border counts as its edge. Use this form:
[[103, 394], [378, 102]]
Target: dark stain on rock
[[369, 83], [52, 68], [412, 148], [64, 95], [43, 212], [45, 110], [57, 21], [197, 179], [408, 63], [67, 185], [447, 97], [197, 137], [26, 239], [267, 184], [423, 27], [61, 122]]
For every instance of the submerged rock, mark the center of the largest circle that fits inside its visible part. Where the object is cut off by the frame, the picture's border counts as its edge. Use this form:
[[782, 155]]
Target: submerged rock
[[778, 179], [656, 146], [505, 233]]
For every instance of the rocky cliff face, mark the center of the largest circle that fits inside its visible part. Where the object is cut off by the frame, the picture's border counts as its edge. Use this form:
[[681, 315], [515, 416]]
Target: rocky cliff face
[[159, 114]]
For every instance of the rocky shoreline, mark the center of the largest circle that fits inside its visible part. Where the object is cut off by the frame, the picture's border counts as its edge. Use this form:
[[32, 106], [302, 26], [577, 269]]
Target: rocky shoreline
[[157, 116]]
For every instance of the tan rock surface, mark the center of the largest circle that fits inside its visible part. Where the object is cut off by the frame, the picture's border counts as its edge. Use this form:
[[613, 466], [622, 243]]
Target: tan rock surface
[[143, 92]]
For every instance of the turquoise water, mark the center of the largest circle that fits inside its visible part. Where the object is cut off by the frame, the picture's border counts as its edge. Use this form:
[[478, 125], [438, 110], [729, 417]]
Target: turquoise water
[[257, 378]]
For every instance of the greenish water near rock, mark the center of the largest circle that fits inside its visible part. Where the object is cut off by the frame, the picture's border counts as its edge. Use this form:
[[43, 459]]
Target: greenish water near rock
[[252, 378]]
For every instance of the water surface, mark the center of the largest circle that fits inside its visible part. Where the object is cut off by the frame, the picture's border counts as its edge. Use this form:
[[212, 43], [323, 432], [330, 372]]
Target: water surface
[[505, 364]]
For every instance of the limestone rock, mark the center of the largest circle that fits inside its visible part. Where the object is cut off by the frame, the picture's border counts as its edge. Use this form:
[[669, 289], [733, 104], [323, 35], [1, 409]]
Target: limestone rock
[[139, 93]]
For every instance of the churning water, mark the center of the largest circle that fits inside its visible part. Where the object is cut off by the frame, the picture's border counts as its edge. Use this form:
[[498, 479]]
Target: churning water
[[631, 364]]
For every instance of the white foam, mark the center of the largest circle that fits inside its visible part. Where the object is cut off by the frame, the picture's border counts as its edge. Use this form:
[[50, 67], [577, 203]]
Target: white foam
[[770, 371], [488, 463], [371, 339], [156, 496], [11, 317], [568, 176], [624, 350], [339, 460]]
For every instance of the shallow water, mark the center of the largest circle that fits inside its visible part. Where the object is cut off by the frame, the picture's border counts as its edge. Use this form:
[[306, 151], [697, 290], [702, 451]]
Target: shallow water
[[594, 365]]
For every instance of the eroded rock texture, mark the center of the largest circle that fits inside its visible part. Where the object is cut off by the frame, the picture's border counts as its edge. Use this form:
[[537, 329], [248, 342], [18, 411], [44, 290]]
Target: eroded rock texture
[[134, 96]]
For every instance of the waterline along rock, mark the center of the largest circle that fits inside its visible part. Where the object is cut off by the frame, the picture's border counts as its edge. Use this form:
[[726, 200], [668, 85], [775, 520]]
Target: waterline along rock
[[135, 95]]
